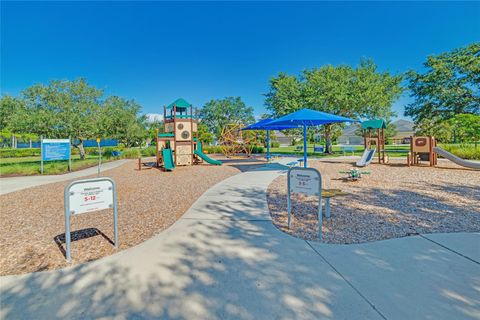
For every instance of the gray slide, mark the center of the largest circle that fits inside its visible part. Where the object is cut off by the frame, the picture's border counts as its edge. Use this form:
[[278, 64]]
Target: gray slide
[[457, 160], [366, 157]]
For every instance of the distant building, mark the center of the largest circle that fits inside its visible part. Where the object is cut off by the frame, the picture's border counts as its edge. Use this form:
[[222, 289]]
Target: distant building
[[404, 131], [283, 139]]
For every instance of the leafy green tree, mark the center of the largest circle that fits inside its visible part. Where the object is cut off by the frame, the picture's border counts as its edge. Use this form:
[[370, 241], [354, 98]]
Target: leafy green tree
[[361, 92], [152, 127], [216, 114], [449, 86], [10, 107], [466, 128], [441, 130], [119, 119], [63, 109], [204, 135], [285, 95]]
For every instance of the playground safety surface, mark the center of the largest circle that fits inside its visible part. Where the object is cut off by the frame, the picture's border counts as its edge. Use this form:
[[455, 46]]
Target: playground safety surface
[[392, 201], [32, 230]]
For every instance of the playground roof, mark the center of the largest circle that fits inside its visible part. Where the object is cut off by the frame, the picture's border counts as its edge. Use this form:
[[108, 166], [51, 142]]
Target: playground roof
[[181, 104], [374, 124], [308, 117], [263, 125]]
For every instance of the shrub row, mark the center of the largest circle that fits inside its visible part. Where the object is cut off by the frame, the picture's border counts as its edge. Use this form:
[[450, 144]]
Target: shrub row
[[464, 151], [106, 152]]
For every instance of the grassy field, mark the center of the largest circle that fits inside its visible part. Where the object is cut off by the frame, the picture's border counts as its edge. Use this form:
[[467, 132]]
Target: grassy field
[[26, 166]]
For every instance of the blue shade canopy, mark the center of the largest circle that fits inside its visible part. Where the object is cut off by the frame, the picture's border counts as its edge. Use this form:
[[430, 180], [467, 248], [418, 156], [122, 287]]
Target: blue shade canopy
[[264, 125], [308, 117]]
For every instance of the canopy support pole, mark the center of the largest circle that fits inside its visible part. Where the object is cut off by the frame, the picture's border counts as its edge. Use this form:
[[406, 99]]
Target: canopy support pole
[[304, 145], [268, 145]]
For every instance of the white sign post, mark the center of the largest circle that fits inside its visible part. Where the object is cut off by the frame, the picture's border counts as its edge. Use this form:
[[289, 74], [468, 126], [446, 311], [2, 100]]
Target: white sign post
[[87, 196], [306, 181]]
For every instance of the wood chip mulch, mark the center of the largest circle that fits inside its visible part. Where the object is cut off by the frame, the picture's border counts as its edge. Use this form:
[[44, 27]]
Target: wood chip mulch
[[32, 220], [392, 201]]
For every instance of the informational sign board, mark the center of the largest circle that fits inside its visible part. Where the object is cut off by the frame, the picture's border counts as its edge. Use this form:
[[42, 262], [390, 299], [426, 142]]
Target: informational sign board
[[306, 181], [55, 149], [89, 195]]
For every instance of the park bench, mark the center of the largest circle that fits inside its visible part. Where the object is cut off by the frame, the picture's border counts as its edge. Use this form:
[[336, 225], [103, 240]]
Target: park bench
[[348, 149], [300, 161], [292, 164], [318, 149], [116, 154]]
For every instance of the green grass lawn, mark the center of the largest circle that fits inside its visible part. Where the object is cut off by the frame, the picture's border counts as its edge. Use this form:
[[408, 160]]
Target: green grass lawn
[[31, 165]]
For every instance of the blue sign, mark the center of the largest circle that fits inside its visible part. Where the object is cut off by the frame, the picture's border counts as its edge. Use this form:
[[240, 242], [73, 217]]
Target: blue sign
[[55, 149]]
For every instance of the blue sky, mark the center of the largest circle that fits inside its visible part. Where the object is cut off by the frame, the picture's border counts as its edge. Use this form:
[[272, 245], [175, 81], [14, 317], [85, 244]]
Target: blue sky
[[155, 52]]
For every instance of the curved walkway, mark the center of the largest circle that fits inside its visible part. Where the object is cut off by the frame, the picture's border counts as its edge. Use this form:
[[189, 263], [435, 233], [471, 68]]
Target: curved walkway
[[225, 260], [12, 184]]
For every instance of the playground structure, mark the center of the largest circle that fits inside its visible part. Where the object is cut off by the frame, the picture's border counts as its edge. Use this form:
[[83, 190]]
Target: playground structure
[[421, 149], [234, 141], [373, 144], [178, 145], [425, 149]]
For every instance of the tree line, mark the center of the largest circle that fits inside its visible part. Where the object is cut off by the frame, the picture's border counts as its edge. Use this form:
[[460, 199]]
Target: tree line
[[446, 103], [72, 109]]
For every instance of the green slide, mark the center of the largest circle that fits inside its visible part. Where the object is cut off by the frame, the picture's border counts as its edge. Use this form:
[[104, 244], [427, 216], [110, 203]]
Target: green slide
[[206, 158], [168, 159]]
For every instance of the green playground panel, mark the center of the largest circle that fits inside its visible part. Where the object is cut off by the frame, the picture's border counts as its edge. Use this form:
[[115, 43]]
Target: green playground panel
[[164, 135]]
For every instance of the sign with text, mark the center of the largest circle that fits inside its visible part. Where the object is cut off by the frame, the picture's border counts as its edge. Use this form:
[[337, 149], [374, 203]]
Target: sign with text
[[91, 196], [305, 181], [55, 149], [87, 196]]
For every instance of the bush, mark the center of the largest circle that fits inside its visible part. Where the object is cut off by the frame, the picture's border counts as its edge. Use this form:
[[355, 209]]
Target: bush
[[275, 144], [148, 152], [212, 149], [18, 153], [464, 151], [132, 153]]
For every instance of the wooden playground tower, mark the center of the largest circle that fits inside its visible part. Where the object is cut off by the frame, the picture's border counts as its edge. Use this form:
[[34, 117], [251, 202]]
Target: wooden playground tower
[[379, 141], [180, 127], [421, 149]]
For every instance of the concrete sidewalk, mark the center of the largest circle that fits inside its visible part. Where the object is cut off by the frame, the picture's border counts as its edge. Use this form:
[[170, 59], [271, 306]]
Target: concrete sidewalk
[[225, 260], [13, 184]]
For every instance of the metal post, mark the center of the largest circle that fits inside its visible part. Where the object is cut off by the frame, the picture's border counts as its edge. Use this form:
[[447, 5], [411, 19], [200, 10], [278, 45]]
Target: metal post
[[99, 157], [327, 207], [70, 154], [66, 199], [289, 201], [268, 145], [304, 145], [41, 154], [115, 213]]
